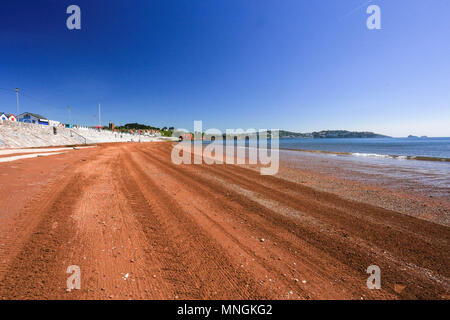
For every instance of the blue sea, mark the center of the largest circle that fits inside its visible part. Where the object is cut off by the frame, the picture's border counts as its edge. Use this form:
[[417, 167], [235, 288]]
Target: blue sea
[[412, 147]]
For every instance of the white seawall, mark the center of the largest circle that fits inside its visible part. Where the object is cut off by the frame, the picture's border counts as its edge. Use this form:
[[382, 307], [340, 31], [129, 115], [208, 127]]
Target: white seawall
[[26, 135]]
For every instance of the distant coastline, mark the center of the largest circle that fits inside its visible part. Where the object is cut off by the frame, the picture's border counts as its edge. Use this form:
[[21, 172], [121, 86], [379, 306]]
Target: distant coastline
[[324, 134], [331, 134]]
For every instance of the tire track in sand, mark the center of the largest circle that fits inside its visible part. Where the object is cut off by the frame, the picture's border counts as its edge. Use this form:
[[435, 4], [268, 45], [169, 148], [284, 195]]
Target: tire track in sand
[[193, 263], [398, 274], [37, 271], [302, 244]]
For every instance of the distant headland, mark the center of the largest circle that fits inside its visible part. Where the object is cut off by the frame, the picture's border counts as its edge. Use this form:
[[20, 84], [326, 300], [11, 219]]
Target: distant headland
[[331, 134]]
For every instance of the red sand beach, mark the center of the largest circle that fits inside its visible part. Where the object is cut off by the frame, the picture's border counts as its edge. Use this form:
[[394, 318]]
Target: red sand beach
[[141, 227]]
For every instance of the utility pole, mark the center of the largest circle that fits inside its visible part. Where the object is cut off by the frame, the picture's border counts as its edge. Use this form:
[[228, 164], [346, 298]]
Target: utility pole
[[70, 120], [17, 99], [99, 117]]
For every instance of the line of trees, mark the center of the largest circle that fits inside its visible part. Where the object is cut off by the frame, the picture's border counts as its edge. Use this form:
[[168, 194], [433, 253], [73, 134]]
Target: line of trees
[[165, 131]]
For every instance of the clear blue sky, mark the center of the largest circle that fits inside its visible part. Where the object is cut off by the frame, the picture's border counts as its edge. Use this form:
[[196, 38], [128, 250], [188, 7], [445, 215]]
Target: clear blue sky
[[291, 64]]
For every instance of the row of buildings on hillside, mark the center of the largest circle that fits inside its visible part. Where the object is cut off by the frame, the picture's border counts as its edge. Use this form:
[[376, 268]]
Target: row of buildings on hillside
[[28, 117]]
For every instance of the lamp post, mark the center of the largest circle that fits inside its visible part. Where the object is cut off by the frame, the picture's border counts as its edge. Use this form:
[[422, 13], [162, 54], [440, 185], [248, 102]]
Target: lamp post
[[17, 100], [70, 120], [99, 117]]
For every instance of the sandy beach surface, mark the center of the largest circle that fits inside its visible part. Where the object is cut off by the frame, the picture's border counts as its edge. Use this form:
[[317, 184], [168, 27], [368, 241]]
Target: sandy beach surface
[[141, 227]]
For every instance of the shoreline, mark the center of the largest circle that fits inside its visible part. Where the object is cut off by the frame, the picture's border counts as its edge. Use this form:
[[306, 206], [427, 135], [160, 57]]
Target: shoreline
[[357, 154], [418, 204]]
